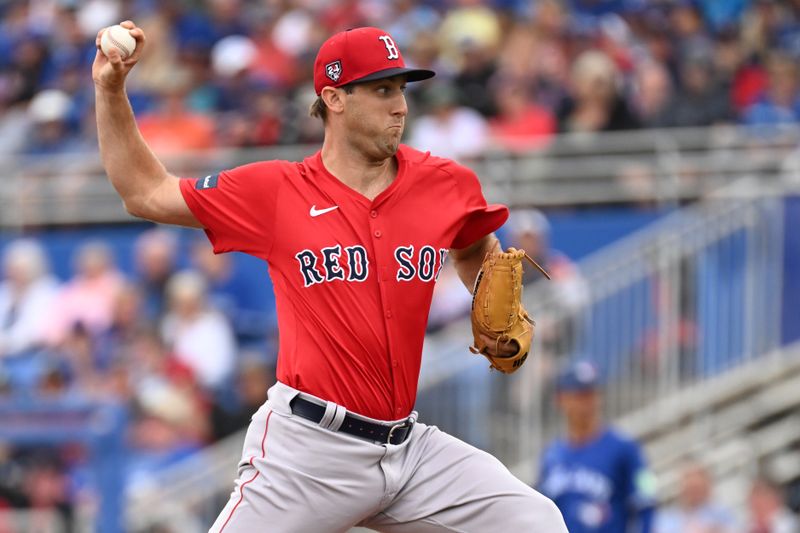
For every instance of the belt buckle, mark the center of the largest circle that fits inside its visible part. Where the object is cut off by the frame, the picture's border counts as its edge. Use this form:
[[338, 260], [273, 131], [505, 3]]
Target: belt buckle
[[407, 423]]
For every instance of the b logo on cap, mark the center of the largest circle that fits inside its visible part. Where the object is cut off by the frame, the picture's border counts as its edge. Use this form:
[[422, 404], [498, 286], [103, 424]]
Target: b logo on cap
[[390, 47], [334, 70]]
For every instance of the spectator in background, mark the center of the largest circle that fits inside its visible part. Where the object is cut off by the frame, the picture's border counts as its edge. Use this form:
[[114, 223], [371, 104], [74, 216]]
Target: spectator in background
[[652, 93], [470, 35], [231, 293], [88, 298], [729, 62], [161, 60], [251, 101], [27, 292], [27, 60], [51, 131], [534, 52], [597, 477], [529, 230], [700, 100], [760, 26], [232, 60], [171, 416], [199, 336], [767, 511], [779, 104], [520, 123], [694, 511], [217, 271], [154, 257], [477, 68], [688, 28], [15, 122], [594, 103], [128, 320], [172, 127], [411, 17], [469, 25], [424, 52], [47, 488], [448, 129]]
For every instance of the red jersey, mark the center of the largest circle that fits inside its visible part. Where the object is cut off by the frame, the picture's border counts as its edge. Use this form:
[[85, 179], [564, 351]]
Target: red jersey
[[353, 277]]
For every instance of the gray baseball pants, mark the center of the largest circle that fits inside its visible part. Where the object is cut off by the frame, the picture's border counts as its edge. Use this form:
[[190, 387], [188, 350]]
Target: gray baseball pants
[[298, 477]]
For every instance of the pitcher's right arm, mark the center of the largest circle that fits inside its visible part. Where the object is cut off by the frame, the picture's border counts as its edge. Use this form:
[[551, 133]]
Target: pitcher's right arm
[[146, 188]]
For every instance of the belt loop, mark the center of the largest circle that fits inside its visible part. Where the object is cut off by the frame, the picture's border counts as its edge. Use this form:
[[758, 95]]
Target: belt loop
[[330, 414], [338, 418]]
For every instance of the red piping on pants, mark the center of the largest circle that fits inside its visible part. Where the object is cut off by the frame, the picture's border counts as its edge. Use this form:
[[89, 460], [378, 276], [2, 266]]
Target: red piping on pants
[[241, 490]]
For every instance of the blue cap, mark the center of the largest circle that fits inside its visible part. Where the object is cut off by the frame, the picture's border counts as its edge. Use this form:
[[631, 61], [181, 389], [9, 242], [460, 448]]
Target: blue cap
[[580, 375]]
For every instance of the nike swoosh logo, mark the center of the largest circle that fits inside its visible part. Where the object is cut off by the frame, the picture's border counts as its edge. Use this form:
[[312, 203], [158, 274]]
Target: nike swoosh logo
[[317, 212]]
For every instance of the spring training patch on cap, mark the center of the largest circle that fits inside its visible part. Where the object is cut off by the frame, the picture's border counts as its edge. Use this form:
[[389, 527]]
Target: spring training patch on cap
[[334, 70]]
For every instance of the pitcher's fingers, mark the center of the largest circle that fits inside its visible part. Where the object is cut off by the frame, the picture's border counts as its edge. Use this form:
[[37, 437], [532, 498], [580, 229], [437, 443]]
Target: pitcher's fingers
[[115, 58], [99, 36], [128, 24], [137, 34]]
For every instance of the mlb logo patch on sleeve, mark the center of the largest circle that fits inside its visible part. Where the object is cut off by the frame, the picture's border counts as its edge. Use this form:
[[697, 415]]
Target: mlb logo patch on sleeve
[[209, 182]]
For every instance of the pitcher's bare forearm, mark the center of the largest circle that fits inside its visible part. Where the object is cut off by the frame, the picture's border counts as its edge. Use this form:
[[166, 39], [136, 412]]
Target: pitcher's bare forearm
[[132, 168], [146, 188], [468, 261]]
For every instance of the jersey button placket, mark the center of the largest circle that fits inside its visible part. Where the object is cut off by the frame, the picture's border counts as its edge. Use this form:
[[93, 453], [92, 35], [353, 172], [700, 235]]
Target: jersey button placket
[[377, 234]]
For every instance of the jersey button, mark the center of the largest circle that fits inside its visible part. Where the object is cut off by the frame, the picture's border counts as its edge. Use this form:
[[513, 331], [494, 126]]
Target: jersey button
[[373, 214], [378, 234], [388, 314]]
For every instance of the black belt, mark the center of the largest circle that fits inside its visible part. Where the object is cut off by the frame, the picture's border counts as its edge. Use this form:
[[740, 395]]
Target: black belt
[[394, 434]]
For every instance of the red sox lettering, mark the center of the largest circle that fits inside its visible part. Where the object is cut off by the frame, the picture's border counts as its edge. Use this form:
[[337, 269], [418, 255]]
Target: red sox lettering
[[330, 264], [425, 267], [355, 257]]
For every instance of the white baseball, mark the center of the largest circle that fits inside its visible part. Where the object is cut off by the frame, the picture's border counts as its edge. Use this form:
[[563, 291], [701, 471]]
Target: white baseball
[[119, 38]]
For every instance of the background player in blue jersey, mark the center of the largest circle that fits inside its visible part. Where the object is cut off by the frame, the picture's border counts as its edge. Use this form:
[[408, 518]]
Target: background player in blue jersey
[[597, 477]]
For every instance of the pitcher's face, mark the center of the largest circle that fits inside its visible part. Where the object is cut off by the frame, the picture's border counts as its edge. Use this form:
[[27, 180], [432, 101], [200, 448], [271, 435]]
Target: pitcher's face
[[375, 115]]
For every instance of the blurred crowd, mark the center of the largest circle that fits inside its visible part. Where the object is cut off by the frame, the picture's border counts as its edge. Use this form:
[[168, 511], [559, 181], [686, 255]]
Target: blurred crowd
[[696, 509], [770, 508], [178, 345], [511, 73]]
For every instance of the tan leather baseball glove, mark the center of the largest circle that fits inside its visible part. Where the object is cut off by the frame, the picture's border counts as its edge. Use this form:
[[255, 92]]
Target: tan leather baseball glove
[[497, 313]]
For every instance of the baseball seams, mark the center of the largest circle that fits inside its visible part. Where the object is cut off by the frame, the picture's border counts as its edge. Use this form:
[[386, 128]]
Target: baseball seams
[[252, 457], [122, 47]]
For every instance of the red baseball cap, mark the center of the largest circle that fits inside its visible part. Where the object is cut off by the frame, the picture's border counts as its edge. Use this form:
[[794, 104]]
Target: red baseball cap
[[361, 54]]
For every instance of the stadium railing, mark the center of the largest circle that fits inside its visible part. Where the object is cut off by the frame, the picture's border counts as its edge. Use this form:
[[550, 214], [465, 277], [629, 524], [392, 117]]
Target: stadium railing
[[692, 296], [739, 424], [648, 167]]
